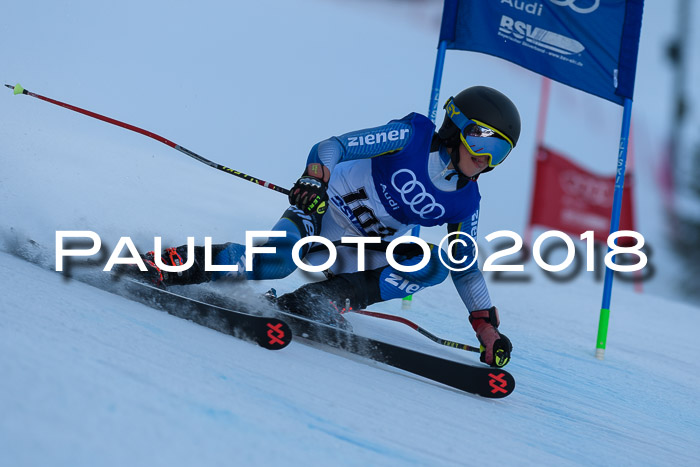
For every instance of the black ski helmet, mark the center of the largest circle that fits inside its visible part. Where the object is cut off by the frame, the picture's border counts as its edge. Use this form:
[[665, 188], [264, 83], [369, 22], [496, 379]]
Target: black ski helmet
[[486, 105]]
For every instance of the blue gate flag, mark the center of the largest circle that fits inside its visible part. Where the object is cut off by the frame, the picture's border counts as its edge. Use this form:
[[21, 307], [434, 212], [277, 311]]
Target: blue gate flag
[[589, 45]]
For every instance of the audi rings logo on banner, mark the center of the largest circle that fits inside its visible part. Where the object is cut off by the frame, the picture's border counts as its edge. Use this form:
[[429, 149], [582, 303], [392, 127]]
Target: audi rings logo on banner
[[420, 202], [576, 8]]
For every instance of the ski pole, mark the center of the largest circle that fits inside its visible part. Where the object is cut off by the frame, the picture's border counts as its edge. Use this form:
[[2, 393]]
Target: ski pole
[[413, 325], [18, 89]]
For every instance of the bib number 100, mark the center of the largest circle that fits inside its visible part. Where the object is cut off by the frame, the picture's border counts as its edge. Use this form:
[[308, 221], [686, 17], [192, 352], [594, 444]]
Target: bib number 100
[[635, 249]]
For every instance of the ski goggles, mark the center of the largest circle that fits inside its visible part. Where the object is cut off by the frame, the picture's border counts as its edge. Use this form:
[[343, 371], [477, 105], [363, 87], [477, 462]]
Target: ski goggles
[[479, 138]]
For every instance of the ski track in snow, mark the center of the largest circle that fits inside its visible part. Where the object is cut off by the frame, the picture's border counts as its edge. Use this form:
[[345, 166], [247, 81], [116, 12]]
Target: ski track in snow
[[90, 378]]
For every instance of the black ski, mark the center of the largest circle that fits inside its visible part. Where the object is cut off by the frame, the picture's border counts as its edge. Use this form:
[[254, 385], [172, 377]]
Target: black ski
[[243, 321], [275, 331], [480, 380], [269, 332]]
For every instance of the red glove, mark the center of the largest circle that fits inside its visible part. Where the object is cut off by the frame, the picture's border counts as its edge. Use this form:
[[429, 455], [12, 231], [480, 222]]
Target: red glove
[[495, 347], [309, 192]]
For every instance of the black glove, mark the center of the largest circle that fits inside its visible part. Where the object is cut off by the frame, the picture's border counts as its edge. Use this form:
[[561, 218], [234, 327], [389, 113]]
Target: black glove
[[309, 192], [495, 347]]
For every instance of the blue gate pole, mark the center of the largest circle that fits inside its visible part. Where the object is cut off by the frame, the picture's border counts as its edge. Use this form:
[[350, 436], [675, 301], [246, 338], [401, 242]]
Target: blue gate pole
[[614, 226], [432, 113], [437, 81]]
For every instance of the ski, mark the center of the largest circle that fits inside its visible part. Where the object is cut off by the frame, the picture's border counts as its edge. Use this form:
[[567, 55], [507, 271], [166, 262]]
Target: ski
[[481, 380], [269, 332]]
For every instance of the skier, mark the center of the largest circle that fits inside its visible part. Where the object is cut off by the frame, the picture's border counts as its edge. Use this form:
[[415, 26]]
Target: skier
[[382, 182]]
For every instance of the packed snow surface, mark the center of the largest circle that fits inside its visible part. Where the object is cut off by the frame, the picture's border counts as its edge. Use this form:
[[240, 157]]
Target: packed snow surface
[[90, 378]]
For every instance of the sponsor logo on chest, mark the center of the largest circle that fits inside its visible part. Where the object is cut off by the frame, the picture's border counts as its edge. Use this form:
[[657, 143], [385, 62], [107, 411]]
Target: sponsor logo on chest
[[378, 138], [414, 195]]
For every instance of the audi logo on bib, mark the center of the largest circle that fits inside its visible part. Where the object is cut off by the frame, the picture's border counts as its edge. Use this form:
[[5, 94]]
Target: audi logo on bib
[[414, 195]]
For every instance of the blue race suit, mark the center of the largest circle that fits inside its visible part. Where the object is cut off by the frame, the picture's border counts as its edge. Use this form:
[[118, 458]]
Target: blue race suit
[[384, 181]]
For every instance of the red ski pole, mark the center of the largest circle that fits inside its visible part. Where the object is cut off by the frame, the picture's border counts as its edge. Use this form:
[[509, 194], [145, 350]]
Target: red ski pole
[[18, 89], [413, 325]]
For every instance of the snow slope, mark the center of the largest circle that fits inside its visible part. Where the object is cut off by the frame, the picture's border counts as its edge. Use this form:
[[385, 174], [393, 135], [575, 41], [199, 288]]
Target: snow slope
[[89, 378]]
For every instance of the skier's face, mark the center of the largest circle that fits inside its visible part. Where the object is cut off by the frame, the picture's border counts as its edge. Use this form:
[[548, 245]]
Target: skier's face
[[471, 165]]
